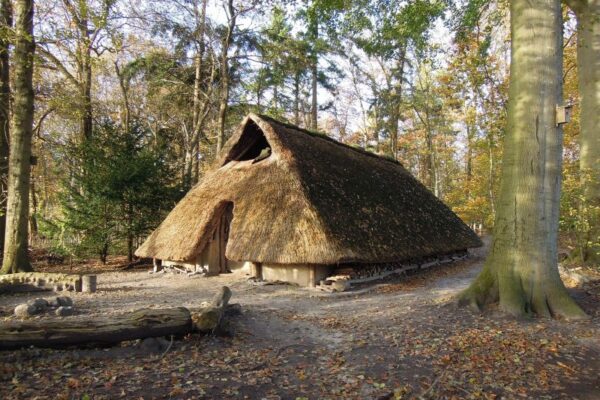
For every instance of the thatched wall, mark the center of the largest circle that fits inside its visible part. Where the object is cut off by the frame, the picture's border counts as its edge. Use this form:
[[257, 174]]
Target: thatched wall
[[314, 201]]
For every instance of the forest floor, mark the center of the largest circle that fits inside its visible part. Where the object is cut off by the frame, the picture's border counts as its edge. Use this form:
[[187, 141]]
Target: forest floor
[[399, 339]]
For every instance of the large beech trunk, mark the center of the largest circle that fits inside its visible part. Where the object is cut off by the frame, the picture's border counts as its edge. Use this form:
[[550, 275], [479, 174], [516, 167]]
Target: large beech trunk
[[99, 331], [521, 272], [17, 214]]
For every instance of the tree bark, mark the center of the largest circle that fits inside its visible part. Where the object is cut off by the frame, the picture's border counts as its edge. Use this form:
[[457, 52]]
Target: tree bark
[[521, 271], [397, 107], [226, 43], [100, 331], [5, 25], [297, 98], [15, 247], [314, 117], [200, 107], [83, 60], [588, 71]]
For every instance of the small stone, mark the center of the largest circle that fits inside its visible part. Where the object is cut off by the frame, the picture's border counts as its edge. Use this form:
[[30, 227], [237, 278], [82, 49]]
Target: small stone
[[154, 345], [64, 301], [64, 311], [40, 305], [25, 310], [341, 285]]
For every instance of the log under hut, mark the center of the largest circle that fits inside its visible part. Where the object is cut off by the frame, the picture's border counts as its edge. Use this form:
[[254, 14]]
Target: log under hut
[[293, 204]]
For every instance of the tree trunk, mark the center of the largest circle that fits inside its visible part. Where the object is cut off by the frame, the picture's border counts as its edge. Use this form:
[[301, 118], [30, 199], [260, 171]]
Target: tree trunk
[[588, 70], [297, 98], [225, 74], [314, 27], [124, 84], [198, 76], [86, 94], [15, 247], [397, 112], [521, 271], [33, 226], [84, 66], [5, 26], [469, 171], [431, 160], [100, 330]]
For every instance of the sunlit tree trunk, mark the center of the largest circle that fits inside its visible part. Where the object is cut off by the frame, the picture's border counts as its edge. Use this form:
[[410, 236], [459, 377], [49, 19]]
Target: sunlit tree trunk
[[297, 98], [15, 246], [5, 25], [396, 113], [199, 105], [521, 271], [469, 169], [84, 65], [225, 73], [588, 70], [314, 34]]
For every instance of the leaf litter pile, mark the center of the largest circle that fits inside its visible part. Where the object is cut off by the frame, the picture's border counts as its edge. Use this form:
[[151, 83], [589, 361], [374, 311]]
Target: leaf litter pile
[[403, 340]]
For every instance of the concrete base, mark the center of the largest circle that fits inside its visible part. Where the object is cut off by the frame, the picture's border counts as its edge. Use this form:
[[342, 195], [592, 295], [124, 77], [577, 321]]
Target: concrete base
[[300, 274]]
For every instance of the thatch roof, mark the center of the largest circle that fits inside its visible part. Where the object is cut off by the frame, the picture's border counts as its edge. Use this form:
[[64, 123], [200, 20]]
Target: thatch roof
[[313, 200]]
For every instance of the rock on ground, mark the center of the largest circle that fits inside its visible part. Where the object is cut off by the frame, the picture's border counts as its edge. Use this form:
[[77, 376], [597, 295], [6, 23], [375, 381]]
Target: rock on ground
[[64, 311]]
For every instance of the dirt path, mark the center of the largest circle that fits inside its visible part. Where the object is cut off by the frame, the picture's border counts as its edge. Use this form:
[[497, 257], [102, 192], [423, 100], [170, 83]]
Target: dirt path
[[399, 339]]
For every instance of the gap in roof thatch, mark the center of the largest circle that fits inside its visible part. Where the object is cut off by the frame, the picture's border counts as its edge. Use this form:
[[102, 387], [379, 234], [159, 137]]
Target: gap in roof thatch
[[252, 145]]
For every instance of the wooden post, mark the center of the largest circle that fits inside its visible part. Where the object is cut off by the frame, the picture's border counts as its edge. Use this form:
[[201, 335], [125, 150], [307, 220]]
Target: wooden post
[[157, 265], [256, 270], [88, 283]]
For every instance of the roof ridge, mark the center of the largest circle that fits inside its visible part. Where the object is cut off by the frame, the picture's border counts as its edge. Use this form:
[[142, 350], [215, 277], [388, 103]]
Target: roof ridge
[[329, 139]]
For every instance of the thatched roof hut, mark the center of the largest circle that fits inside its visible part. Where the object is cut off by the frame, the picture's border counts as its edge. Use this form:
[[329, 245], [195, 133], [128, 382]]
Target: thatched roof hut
[[310, 200]]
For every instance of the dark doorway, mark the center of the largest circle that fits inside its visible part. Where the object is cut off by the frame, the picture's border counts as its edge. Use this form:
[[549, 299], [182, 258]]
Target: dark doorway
[[215, 252], [224, 226]]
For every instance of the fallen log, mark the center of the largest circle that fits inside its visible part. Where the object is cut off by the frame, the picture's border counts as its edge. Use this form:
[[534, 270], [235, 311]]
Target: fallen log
[[208, 319], [138, 324], [31, 281]]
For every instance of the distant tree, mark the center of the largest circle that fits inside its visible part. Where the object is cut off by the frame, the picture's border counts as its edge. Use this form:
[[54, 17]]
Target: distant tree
[[393, 29], [588, 71], [19, 163], [77, 43], [521, 271]]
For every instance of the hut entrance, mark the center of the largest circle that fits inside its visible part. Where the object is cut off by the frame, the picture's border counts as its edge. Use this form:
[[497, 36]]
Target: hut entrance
[[214, 254]]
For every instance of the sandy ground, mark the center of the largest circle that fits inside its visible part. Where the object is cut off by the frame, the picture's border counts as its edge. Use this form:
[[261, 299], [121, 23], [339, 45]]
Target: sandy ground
[[126, 291], [402, 338]]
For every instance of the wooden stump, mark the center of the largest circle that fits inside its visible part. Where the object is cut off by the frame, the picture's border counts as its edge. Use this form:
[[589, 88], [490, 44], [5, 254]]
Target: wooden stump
[[88, 283], [104, 330], [209, 318]]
